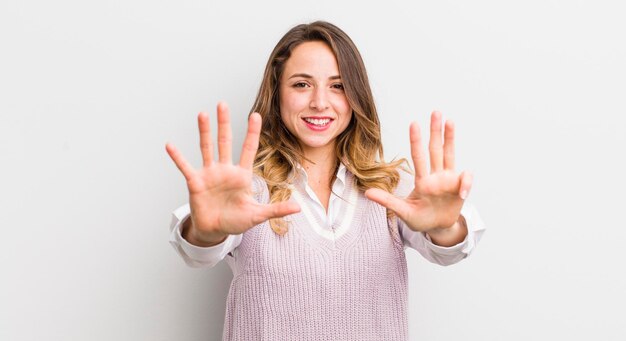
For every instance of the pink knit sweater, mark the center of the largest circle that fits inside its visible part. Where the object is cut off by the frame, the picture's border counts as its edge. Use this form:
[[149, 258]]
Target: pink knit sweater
[[351, 285]]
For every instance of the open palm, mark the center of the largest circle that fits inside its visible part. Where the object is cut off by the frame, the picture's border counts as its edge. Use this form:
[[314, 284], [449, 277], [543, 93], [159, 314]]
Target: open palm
[[220, 193], [438, 196]]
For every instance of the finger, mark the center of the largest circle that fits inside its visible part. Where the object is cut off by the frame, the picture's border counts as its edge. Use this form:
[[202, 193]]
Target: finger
[[388, 200], [276, 210], [435, 147], [448, 146], [180, 161], [466, 184], [206, 145], [224, 133], [251, 142], [417, 154]]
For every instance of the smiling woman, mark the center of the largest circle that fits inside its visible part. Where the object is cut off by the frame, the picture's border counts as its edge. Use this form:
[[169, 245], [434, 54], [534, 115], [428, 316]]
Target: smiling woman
[[326, 68], [313, 221]]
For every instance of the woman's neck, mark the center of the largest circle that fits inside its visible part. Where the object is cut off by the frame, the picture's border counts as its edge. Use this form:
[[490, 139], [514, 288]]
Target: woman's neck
[[320, 165]]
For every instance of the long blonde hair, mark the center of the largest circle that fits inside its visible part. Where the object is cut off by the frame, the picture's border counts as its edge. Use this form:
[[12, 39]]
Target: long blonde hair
[[359, 146]]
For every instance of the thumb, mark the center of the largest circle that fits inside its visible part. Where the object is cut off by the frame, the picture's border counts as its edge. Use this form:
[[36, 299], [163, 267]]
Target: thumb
[[387, 200], [276, 210]]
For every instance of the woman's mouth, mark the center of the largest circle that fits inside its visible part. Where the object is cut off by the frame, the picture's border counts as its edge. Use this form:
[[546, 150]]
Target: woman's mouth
[[317, 123]]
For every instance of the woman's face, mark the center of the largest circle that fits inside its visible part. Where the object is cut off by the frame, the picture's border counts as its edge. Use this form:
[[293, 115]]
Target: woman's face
[[313, 105]]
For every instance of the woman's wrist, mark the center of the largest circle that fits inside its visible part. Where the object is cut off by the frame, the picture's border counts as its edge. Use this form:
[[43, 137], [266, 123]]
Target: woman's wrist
[[194, 237], [450, 236]]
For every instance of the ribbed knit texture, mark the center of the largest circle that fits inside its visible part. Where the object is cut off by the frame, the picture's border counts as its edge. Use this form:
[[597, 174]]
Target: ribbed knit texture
[[304, 286]]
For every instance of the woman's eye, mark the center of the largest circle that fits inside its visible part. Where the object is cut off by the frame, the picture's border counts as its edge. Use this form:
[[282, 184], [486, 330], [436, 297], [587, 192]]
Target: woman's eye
[[338, 86], [300, 85]]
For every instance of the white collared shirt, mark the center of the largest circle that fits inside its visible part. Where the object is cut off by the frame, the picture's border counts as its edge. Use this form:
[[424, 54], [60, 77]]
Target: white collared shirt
[[302, 179]]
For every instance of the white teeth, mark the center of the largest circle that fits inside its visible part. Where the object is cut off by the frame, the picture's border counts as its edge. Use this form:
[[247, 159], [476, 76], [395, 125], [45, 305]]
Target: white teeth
[[318, 122]]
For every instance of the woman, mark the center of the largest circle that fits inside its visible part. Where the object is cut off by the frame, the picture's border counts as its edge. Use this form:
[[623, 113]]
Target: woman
[[312, 221]]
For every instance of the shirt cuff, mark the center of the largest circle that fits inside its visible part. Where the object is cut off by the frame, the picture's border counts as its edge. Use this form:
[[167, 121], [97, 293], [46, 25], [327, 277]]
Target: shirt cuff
[[443, 255]]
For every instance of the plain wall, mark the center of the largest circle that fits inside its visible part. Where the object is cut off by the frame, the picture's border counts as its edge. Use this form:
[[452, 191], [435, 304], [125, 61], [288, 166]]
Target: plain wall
[[91, 91]]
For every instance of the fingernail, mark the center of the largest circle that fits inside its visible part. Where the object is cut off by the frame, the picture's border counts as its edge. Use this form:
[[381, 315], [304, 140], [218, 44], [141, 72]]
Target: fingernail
[[463, 194]]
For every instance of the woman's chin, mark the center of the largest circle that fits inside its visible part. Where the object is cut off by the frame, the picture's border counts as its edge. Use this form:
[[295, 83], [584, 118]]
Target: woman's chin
[[316, 145]]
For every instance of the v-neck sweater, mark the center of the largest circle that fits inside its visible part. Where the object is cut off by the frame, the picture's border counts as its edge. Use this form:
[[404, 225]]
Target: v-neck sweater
[[348, 282]]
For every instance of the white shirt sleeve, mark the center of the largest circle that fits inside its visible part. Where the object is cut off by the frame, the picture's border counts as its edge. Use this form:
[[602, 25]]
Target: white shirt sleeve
[[441, 255], [196, 256]]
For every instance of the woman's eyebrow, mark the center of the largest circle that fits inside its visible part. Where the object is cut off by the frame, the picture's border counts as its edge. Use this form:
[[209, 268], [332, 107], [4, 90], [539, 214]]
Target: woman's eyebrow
[[303, 75], [306, 75]]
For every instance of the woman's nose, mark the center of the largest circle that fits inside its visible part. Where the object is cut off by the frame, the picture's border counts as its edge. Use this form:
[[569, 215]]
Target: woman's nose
[[319, 100]]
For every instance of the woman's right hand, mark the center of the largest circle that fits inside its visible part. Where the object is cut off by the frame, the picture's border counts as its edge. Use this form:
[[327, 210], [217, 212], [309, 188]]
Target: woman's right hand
[[220, 193]]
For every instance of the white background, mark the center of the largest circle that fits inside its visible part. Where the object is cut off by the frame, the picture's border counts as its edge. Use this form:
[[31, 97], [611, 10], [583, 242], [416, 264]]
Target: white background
[[91, 91]]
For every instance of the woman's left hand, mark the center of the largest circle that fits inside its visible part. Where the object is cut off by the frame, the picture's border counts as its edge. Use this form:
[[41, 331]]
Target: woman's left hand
[[434, 205]]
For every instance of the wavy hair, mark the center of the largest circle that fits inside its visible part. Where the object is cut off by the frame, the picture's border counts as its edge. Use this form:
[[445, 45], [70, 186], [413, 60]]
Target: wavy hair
[[359, 146]]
